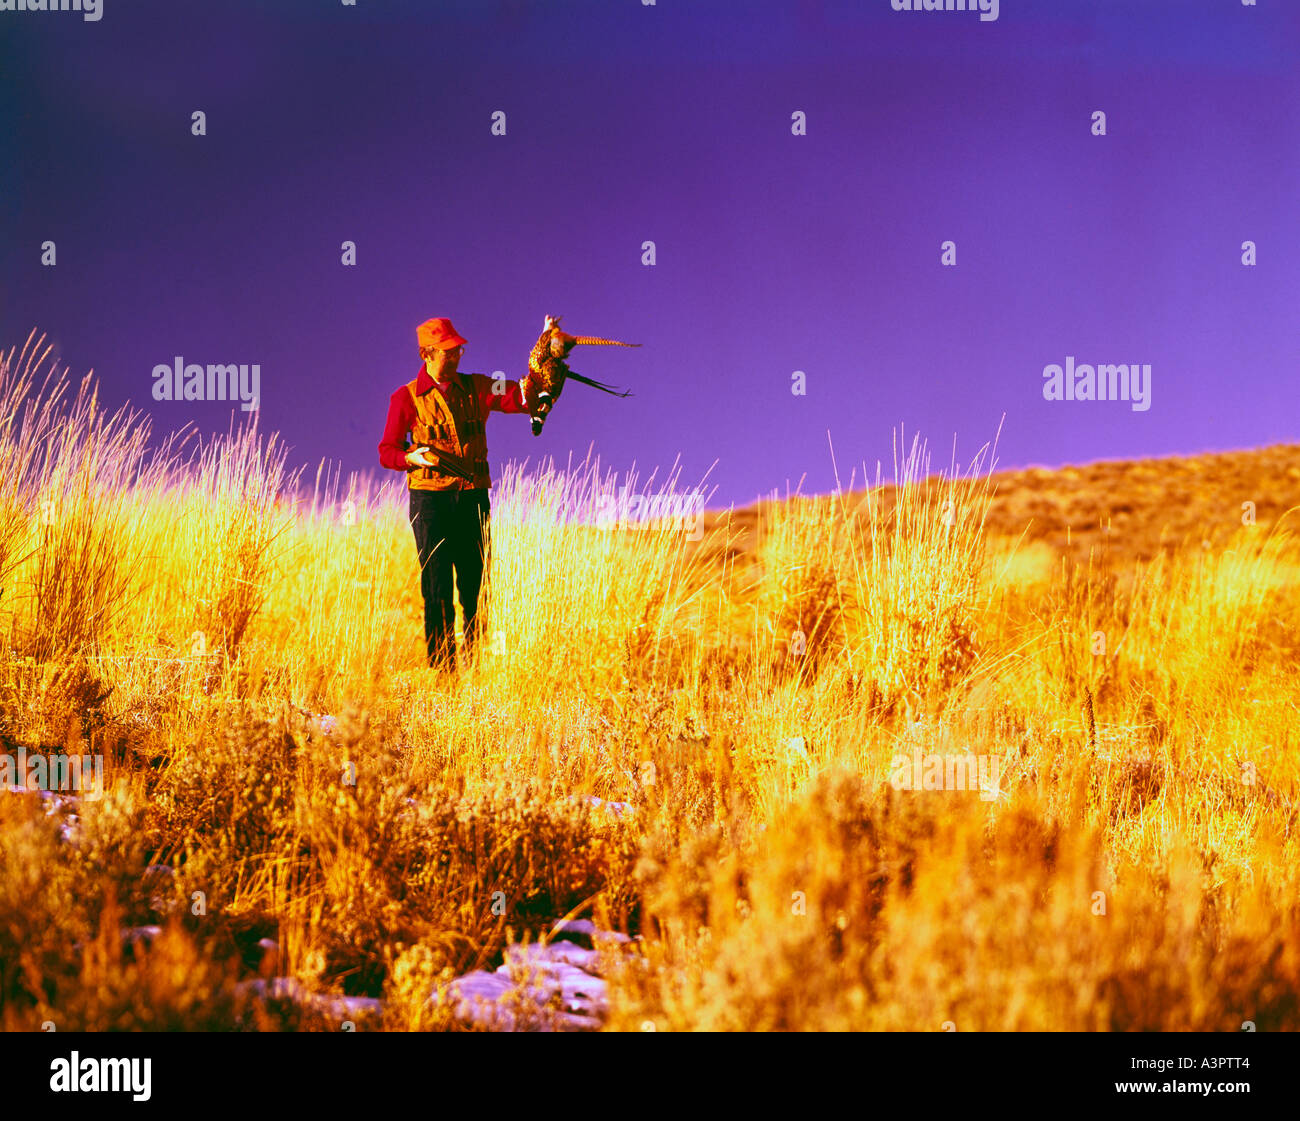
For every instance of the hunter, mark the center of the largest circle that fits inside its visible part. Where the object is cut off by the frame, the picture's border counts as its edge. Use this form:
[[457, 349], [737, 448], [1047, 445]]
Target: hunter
[[446, 465]]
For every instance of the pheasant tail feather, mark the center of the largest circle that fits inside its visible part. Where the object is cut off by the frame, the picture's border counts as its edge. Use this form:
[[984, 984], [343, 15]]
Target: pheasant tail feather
[[600, 384], [593, 340]]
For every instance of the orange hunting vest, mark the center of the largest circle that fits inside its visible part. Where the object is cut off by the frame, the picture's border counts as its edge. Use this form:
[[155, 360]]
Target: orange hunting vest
[[450, 424]]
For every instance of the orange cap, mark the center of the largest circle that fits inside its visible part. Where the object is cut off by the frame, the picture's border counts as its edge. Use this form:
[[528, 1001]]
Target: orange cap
[[439, 334]]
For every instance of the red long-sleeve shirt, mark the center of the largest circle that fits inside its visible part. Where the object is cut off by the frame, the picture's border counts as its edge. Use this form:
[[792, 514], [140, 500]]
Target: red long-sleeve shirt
[[401, 412]]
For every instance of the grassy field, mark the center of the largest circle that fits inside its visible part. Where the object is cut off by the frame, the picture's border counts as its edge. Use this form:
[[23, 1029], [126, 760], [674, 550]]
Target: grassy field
[[1110, 651]]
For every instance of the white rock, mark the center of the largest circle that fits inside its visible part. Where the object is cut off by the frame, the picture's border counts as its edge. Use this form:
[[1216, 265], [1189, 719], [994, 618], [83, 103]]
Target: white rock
[[566, 953], [585, 928], [292, 990]]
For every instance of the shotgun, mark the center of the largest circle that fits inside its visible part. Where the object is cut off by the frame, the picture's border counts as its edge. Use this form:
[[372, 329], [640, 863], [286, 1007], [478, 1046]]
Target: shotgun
[[445, 463]]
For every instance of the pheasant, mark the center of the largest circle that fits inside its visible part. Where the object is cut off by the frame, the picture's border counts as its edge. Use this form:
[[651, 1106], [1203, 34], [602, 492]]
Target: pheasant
[[547, 370]]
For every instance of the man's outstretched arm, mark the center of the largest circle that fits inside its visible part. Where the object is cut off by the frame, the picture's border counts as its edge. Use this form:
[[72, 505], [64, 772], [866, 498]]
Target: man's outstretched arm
[[511, 401]]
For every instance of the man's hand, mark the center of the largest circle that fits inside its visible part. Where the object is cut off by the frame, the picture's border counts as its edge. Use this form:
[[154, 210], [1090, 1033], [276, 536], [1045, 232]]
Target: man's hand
[[421, 456]]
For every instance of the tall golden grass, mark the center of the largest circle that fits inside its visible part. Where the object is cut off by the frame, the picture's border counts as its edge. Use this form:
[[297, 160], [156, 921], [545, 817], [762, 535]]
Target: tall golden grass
[[186, 611]]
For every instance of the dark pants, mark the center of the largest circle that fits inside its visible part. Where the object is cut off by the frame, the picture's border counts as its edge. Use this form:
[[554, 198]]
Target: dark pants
[[451, 531]]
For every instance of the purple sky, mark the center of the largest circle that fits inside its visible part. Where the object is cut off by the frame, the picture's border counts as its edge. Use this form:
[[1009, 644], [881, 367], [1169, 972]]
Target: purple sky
[[672, 123]]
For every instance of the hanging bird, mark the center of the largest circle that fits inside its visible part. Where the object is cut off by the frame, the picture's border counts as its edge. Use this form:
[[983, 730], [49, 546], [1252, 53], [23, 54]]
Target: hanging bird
[[547, 370]]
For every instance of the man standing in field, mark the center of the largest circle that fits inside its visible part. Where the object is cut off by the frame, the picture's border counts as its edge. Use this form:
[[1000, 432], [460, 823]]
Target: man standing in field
[[446, 467]]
